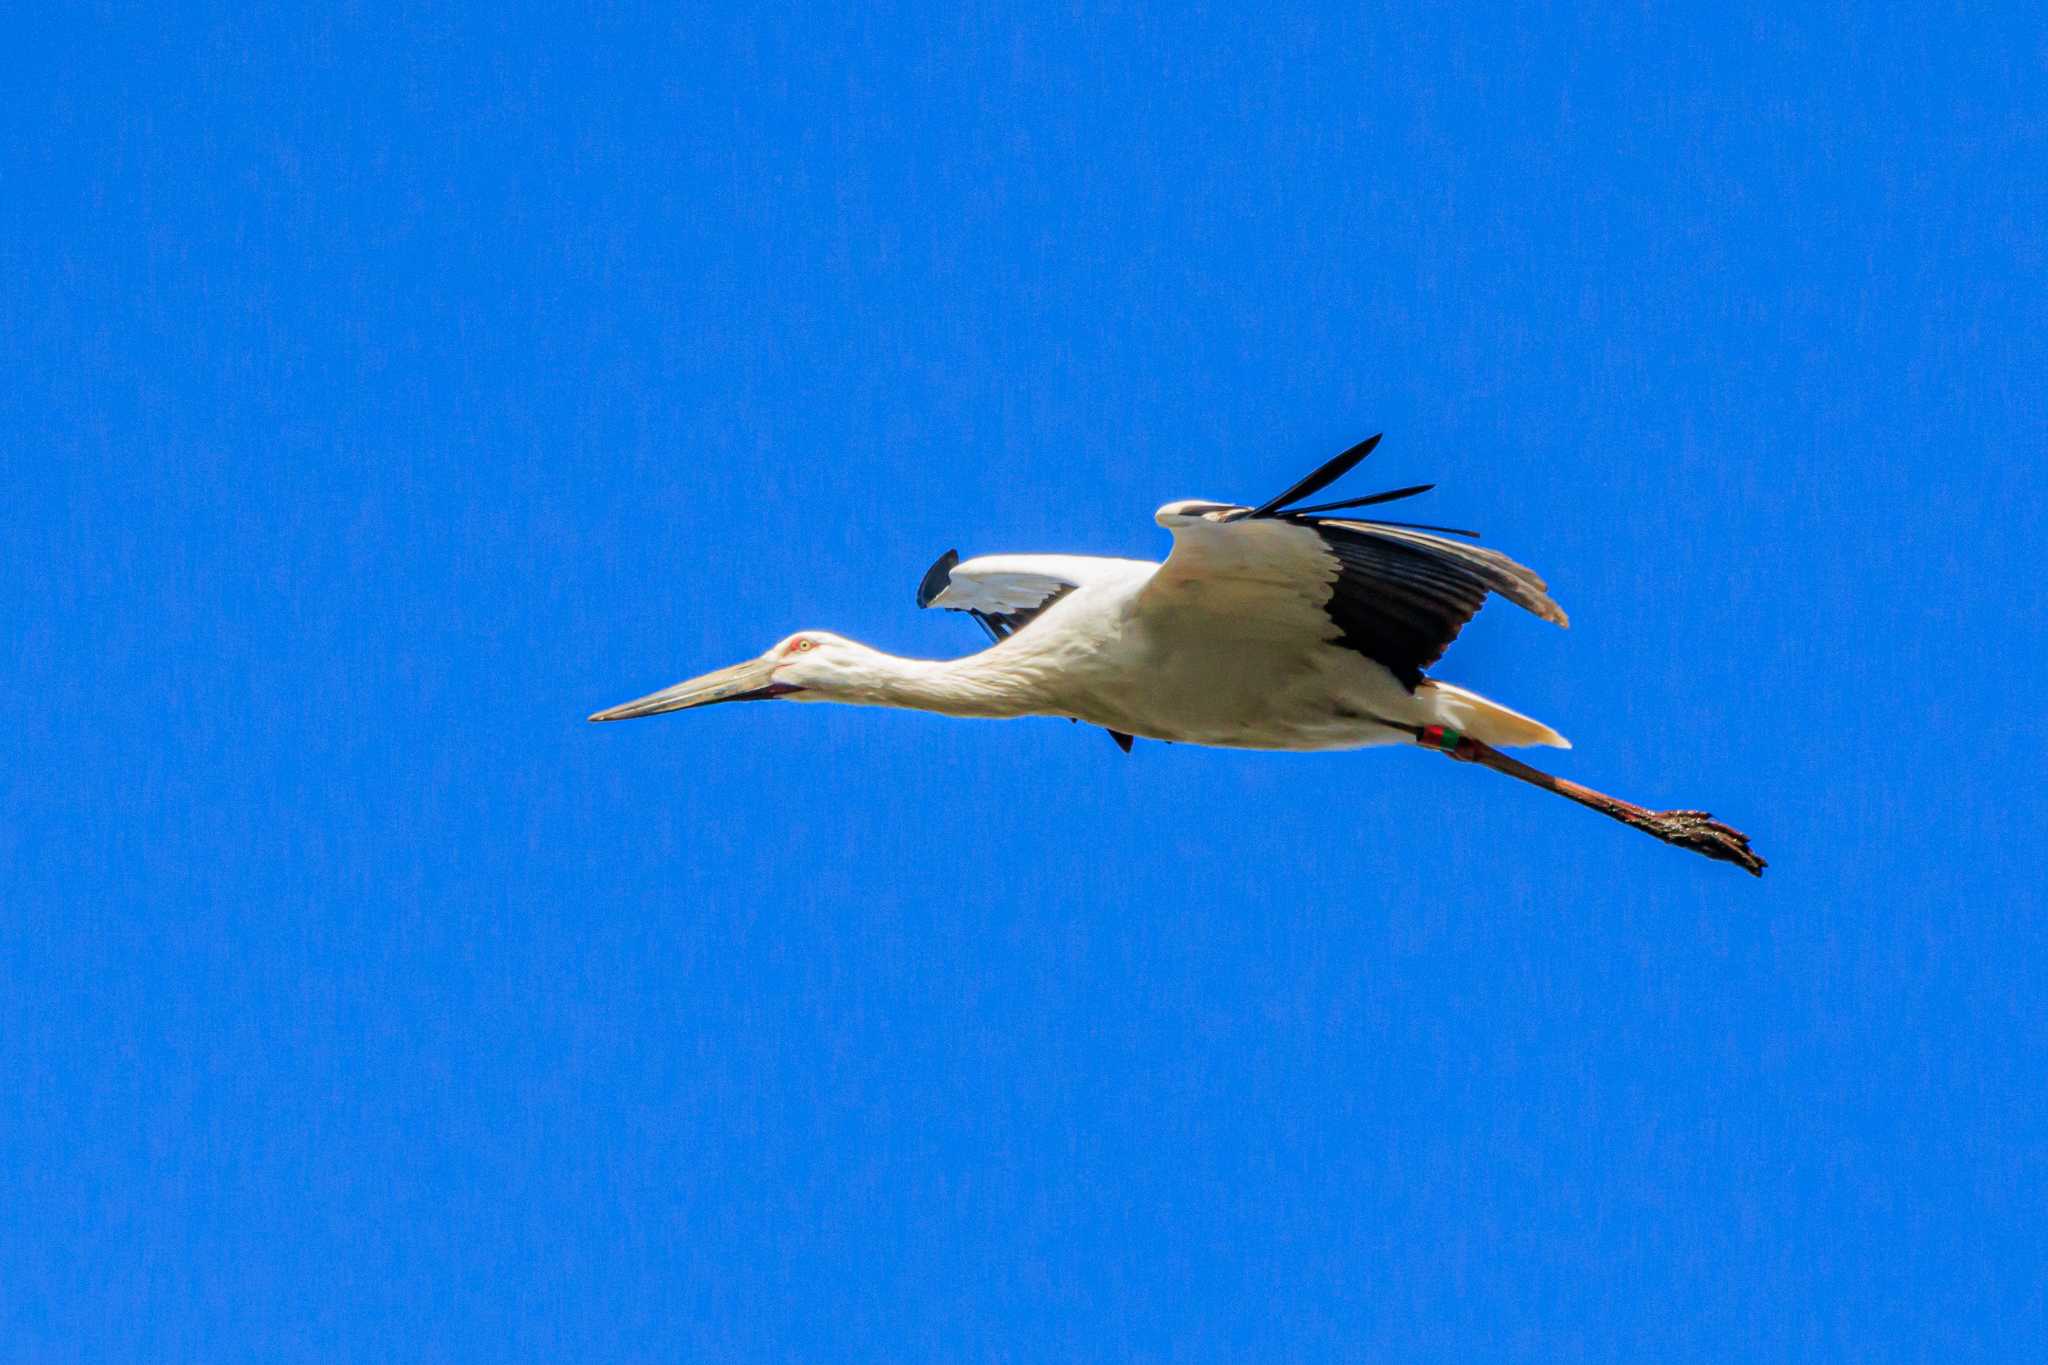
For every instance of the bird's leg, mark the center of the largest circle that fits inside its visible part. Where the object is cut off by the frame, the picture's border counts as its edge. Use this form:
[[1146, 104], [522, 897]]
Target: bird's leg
[[1693, 829]]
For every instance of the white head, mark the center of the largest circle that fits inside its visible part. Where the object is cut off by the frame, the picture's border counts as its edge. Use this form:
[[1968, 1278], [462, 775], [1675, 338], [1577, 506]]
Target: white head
[[811, 665]]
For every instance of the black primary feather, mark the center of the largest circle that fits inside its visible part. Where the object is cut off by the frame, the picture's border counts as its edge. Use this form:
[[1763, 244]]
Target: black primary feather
[[1371, 501], [1282, 509], [1318, 481], [936, 578]]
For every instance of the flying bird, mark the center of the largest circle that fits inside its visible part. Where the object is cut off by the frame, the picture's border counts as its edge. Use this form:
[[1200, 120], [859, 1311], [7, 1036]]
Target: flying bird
[[1274, 626]]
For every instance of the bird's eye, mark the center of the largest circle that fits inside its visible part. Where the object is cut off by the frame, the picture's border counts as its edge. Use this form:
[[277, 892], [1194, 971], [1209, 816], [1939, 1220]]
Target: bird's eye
[[806, 644]]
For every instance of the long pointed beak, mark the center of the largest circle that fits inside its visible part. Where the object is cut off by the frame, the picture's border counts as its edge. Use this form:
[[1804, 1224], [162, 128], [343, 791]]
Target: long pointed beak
[[751, 681]]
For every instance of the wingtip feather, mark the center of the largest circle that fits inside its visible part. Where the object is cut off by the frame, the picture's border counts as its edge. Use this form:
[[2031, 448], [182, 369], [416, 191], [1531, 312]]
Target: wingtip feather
[[936, 578]]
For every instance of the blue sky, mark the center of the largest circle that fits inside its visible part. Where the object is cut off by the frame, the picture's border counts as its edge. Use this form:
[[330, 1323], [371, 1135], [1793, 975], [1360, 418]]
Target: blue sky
[[386, 391]]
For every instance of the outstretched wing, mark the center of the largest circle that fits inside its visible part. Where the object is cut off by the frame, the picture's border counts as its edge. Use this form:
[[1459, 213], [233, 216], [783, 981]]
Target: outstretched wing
[[999, 591], [1005, 593], [1395, 592]]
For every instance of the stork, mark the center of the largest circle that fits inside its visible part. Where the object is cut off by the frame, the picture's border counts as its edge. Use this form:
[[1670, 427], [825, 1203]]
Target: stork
[[1276, 626]]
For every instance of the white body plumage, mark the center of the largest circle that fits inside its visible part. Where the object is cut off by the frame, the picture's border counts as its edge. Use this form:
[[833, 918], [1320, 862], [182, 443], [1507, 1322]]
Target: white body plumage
[[1226, 644]]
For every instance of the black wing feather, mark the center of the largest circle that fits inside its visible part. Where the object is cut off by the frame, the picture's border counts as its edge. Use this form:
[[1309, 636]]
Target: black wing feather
[[1402, 596], [1370, 500], [1318, 481], [936, 578], [1402, 592]]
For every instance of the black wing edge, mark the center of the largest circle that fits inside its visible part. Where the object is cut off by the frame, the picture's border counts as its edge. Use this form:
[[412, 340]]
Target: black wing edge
[[936, 578]]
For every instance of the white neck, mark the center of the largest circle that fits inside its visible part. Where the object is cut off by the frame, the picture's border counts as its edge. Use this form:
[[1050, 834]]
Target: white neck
[[989, 684]]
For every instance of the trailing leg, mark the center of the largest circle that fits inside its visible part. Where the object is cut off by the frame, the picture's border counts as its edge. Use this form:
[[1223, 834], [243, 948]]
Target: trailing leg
[[1692, 829]]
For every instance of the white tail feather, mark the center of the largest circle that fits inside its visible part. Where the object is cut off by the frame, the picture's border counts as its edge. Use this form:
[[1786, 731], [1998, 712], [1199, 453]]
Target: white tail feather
[[1489, 721]]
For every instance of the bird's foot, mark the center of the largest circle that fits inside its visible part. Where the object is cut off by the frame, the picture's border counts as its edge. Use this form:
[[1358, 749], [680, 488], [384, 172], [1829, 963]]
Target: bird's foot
[[1702, 833]]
